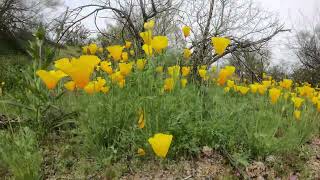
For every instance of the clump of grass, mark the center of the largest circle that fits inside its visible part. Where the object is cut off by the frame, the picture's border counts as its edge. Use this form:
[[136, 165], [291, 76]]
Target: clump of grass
[[21, 154]]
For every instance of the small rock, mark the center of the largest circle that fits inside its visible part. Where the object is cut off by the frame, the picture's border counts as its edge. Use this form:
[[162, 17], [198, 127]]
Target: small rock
[[271, 159], [207, 151], [256, 169], [293, 177], [316, 142]]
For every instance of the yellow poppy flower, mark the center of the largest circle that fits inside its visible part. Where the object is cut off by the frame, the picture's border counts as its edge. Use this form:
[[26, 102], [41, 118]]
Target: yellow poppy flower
[[122, 83], [63, 63], [99, 84], [98, 68], [105, 89], [115, 52], [91, 61], [262, 89], [70, 85], [50, 78], [314, 100], [230, 70], [93, 48], [220, 44], [254, 88], [297, 114], [147, 49], [243, 90], [128, 44], [159, 43], [186, 31], [160, 144], [116, 77], [236, 88], [184, 83], [226, 89], [306, 91], [274, 95], [125, 56], [141, 121], [85, 50], [132, 53], [149, 25], [80, 69], [187, 54], [222, 78], [89, 88], [224, 74], [230, 83], [140, 64], [185, 71], [168, 84], [125, 68], [96, 86], [297, 102], [202, 73], [141, 152], [286, 83], [174, 71], [267, 84], [159, 69], [106, 67], [147, 37], [100, 50]]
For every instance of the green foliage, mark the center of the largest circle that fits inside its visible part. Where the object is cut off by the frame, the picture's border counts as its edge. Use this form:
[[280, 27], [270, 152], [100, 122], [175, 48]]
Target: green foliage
[[14, 68], [105, 126], [21, 154], [68, 52], [10, 71], [42, 54], [303, 74], [28, 99], [249, 126], [8, 46]]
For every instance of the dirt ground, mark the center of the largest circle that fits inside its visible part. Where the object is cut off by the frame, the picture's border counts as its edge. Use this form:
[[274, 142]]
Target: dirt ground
[[211, 165], [314, 162]]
